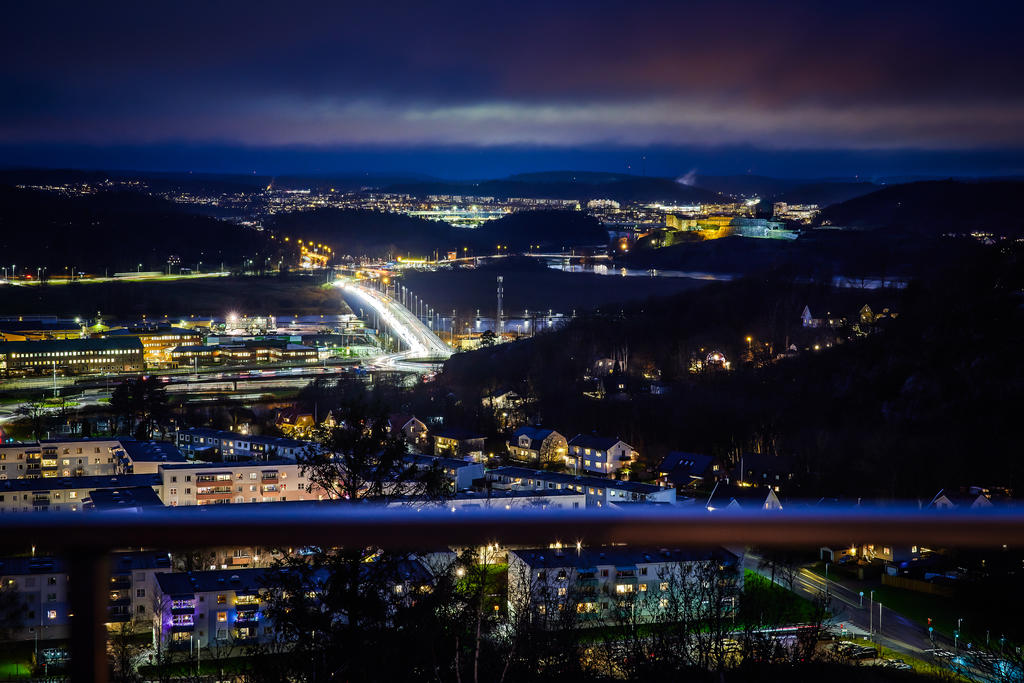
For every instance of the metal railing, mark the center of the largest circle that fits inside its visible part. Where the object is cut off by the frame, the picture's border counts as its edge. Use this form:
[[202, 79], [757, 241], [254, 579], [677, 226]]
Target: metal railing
[[87, 538]]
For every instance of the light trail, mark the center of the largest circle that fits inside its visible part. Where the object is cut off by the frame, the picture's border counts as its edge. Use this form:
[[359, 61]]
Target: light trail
[[419, 339]]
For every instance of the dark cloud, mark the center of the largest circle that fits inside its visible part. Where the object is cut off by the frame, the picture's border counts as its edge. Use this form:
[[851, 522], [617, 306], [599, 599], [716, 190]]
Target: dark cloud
[[802, 75]]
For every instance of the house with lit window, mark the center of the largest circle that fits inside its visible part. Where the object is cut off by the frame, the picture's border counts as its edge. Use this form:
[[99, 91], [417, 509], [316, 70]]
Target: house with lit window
[[536, 446], [598, 583], [683, 470], [459, 443], [408, 427], [592, 454]]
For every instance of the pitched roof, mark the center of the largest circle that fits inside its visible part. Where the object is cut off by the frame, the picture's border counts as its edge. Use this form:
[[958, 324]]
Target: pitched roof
[[601, 443], [750, 497], [458, 434], [536, 434], [682, 466]]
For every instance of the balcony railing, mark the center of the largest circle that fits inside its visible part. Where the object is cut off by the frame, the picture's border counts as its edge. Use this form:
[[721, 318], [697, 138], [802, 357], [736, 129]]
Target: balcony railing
[[87, 538]]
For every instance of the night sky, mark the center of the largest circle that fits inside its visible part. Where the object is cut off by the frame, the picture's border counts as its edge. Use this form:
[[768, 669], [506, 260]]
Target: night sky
[[464, 89]]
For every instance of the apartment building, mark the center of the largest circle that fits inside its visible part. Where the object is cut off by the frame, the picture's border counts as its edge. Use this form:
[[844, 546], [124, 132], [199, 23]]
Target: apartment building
[[606, 584], [59, 458], [211, 483], [503, 499], [599, 492], [222, 608], [232, 446], [216, 608], [41, 583], [65, 494]]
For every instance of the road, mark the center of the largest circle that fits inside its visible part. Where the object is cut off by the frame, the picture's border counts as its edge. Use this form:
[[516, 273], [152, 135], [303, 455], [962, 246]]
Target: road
[[860, 615], [418, 339]]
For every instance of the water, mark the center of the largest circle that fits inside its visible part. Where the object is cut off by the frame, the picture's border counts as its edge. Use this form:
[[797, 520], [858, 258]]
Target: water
[[840, 281]]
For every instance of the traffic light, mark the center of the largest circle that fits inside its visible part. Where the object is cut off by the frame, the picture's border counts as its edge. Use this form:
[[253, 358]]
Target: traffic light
[[929, 623]]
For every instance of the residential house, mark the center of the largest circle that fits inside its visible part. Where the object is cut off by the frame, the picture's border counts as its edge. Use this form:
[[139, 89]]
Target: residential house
[[537, 446], [726, 496], [460, 473], [459, 443], [685, 470], [763, 469], [600, 454], [295, 423], [972, 498], [413, 430]]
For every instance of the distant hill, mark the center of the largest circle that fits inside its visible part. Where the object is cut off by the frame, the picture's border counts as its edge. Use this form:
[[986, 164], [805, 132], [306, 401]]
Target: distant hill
[[793, 190], [116, 231], [359, 232], [570, 185], [935, 208], [823, 193], [819, 254]]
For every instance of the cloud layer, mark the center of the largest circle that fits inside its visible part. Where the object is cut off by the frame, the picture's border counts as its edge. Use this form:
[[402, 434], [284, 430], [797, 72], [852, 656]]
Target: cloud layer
[[796, 75]]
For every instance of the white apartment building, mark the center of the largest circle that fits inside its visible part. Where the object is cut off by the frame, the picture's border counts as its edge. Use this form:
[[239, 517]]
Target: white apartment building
[[210, 483], [599, 455], [598, 492]]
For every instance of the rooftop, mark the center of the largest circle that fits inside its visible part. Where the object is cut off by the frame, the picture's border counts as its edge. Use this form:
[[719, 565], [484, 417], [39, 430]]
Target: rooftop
[[620, 556], [152, 451], [560, 477], [48, 345], [64, 483], [601, 443]]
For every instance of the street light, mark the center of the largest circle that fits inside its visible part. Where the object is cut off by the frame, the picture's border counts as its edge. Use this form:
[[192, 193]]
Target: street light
[[871, 612]]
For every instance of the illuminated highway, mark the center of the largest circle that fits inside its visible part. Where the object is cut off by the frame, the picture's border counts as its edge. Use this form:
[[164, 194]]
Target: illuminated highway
[[418, 339]]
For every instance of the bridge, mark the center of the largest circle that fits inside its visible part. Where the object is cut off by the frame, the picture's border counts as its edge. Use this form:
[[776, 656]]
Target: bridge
[[419, 340]]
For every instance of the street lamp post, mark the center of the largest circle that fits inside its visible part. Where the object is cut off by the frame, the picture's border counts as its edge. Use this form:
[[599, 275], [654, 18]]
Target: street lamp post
[[871, 612]]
